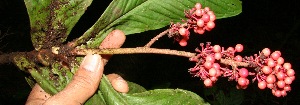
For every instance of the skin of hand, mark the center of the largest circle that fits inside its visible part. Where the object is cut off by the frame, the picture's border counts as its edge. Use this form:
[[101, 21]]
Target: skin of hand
[[86, 80]]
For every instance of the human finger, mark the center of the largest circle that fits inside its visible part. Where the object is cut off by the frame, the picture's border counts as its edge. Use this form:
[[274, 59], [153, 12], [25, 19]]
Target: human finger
[[118, 83], [114, 39], [84, 83]]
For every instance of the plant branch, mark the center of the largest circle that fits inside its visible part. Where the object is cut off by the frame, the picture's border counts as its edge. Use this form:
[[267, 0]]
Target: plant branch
[[137, 50], [156, 38], [233, 62], [145, 50], [7, 58]]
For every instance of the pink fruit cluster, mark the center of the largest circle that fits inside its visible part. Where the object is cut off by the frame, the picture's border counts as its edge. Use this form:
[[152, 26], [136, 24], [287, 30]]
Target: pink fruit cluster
[[267, 68], [274, 74], [199, 19]]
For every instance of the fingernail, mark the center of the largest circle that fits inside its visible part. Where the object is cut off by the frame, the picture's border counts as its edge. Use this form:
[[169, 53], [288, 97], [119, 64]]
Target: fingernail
[[91, 62]]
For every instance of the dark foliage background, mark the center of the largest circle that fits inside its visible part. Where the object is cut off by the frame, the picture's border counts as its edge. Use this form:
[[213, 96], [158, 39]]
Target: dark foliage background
[[273, 24]]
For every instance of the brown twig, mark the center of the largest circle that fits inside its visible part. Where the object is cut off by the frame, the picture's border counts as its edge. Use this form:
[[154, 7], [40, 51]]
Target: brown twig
[[6, 58], [145, 50], [9, 57]]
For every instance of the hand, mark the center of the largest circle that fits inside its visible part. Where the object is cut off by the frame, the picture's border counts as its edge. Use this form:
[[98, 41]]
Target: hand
[[86, 80]]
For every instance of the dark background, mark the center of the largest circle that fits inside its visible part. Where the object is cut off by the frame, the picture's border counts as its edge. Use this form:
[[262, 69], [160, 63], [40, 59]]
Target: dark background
[[272, 24]]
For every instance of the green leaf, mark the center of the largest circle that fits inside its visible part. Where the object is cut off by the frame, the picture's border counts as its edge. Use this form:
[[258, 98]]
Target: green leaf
[[135, 88], [152, 97], [51, 21], [135, 16], [223, 8], [165, 97], [52, 79]]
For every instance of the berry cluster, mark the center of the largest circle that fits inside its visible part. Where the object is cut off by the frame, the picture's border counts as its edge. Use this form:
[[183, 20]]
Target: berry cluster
[[274, 73], [199, 19], [268, 69]]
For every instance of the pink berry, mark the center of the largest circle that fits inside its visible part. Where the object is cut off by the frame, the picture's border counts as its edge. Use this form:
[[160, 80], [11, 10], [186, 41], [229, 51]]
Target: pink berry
[[213, 79], [216, 66], [210, 58], [200, 30], [210, 13], [212, 72], [277, 93], [211, 25], [208, 65], [243, 81], [290, 72], [278, 52], [275, 55], [182, 42], [262, 85], [206, 9], [270, 79], [292, 77], [208, 82], [238, 58], [270, 85], [287, 65], [243, 72], [183, 31], [218, 56], [205, 17], [287, 88], [266, 51], [283, 93], [280, 61], [280, 84], [200, 23], [288, 80], [198, 12], [217, 48], [280, 75], [239, 48], [271, 63], [267, 70], [198, 6]]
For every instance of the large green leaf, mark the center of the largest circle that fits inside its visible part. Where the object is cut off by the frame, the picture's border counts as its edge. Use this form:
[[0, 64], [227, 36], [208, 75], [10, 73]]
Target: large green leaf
[[135, 16], [151, 97], [51, 21]]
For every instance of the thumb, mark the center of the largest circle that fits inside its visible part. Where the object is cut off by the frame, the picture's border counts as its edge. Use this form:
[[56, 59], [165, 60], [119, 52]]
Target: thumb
[[84, 84]]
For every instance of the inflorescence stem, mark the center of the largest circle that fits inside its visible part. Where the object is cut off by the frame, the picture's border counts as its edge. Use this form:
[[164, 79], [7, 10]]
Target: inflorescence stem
[[137, 50], [146, 50], [233, 62], [156, 38]]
